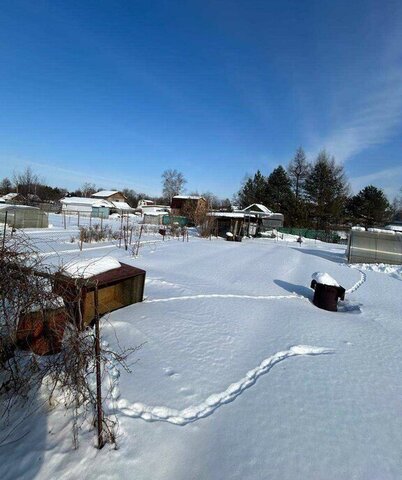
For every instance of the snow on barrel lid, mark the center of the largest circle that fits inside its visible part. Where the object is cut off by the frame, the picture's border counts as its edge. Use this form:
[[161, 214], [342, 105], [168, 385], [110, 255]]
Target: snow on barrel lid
[[89, 268], [324, 278]]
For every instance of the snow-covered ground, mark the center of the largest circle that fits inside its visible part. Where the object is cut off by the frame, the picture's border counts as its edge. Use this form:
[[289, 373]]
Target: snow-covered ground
[[240, 376]]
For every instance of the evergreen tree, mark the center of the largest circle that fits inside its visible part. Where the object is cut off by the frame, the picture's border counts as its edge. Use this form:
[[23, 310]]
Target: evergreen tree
[[280, 197], [370, 207], [254, 190], [326, 190]]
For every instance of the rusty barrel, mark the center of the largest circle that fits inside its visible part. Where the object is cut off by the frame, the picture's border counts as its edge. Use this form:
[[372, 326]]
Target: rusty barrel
[[327, 296]]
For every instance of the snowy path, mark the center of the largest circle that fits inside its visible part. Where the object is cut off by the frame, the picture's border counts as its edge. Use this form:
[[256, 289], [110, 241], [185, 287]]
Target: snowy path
[[213, 402]]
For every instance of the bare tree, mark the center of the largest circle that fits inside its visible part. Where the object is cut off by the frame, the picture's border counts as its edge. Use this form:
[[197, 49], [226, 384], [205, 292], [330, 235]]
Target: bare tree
[[26, 182], [33, 317], [173, 183], [212, 200], [298, 171], [5, 186], [87, 189]]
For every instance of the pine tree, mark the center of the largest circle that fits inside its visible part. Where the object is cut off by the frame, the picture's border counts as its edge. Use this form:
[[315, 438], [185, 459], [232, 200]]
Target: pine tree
[[370, 207], [253, 190], [326, 190], [280, 196]]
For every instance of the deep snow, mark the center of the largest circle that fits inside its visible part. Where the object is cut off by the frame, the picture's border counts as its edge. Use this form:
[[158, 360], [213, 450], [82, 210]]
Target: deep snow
[[240, 376]]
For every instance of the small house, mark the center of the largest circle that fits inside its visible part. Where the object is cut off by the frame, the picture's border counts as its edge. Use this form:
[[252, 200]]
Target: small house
[[145, 202], [118, 285], [78, 205], [265, 218], [101, 209], [110, 195], [13, 197], [182, 204], [117, 199]]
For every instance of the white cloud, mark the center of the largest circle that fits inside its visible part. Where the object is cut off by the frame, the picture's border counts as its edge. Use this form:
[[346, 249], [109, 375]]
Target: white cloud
[[389, 179], [375, 120], [74, 178]]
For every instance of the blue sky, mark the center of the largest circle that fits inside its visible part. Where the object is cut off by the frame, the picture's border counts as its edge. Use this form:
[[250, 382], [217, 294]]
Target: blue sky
[[115, 92]]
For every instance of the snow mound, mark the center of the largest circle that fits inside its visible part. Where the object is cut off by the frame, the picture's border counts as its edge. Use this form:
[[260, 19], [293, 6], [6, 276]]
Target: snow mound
[[91, 267], [325, 278]]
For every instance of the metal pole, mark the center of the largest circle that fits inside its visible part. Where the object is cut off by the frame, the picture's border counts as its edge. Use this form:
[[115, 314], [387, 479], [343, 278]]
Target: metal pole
[[5, 229], [98, 371]]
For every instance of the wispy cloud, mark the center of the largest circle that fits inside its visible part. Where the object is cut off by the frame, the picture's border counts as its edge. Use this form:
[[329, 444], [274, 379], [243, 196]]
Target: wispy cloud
[[74, 178], [389, 179], [375, 119]]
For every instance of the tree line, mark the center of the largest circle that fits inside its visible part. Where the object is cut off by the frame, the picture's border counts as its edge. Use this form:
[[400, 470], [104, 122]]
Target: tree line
[[310, 194], [316, 195]]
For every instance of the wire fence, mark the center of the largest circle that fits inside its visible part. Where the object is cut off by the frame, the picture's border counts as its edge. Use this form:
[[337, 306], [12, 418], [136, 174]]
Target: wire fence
[[94, 236]]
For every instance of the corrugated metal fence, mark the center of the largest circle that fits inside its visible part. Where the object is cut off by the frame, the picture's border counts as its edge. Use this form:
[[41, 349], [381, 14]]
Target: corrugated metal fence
[[374, 247], [331, 237]]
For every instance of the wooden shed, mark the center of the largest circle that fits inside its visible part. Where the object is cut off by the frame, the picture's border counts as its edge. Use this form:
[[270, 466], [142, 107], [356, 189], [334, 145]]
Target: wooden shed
[[117, 288]]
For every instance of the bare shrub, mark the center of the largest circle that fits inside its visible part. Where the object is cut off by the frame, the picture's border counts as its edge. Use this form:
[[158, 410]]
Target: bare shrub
[[67, 376]]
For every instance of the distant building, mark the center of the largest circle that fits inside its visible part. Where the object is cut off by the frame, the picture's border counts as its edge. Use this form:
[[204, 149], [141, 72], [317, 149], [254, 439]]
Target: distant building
[[117, 199], [97, 207], [267, 218], [182, 204], [250, 221], [145, 202], [110, 195], [13, 197]]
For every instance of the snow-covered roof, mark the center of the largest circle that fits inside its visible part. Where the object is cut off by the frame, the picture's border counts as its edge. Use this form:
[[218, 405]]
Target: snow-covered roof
[[121, 205], [188, 197], [155, 211], [145, 201], [10, 196], [86, 201], [257, 207], [395, 228], [147, 208], [78, 200], [89, 268], [227, 214], [101, 203], [381, 230], [17, 207], [104, 193]]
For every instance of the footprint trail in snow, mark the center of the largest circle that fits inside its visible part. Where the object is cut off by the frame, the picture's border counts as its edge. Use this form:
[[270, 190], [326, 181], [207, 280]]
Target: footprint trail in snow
[[193, 413]]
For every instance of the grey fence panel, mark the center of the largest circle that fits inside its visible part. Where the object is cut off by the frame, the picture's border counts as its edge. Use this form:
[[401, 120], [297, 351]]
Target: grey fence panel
[[375, 247]]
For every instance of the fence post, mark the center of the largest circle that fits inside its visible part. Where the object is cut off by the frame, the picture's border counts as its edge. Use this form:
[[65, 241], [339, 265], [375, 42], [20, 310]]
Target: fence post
[[98, 372], [5, 229]]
